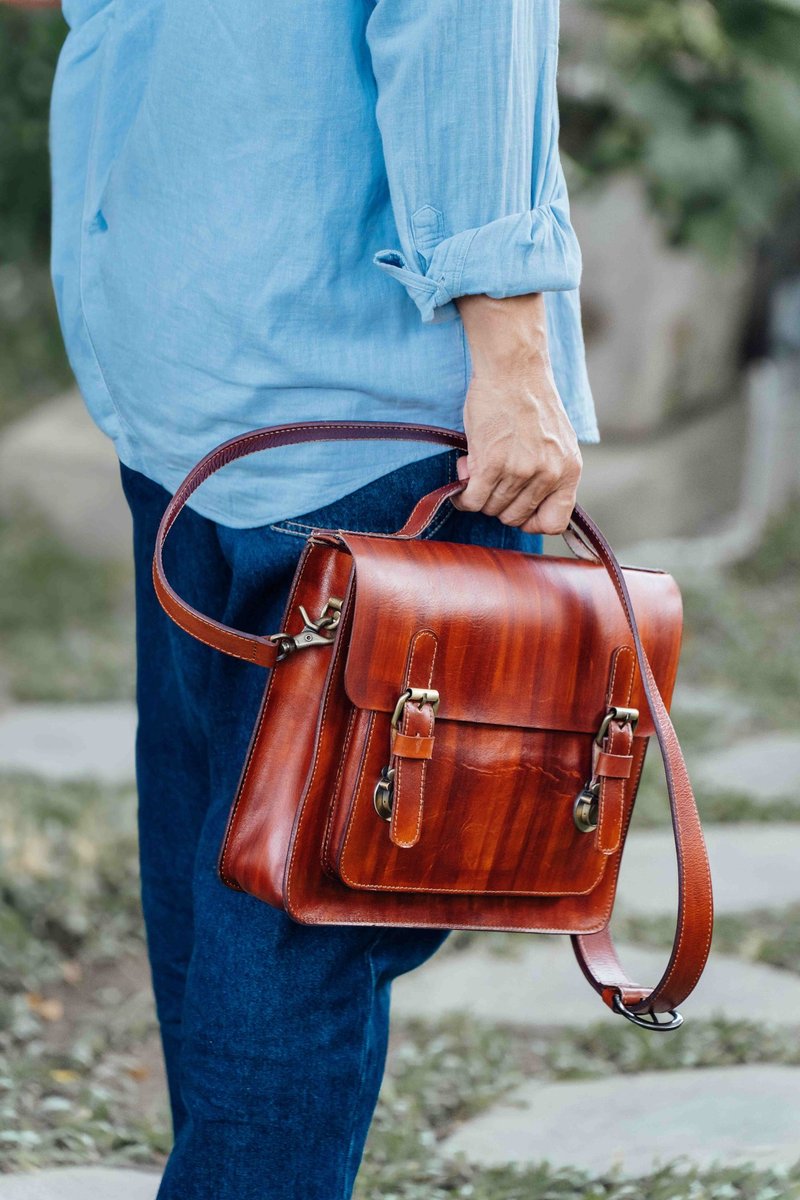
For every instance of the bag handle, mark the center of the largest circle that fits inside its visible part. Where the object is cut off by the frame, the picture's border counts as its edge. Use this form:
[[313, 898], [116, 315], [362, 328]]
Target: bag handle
[[595, 952], [249, 646]]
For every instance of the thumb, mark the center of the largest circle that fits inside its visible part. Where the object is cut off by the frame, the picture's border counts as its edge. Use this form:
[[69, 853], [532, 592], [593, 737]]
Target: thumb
[[462, 469]]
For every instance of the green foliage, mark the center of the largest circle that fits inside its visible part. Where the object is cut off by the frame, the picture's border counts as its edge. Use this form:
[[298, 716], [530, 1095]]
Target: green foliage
[[32, 362], [702, 99], [66, 625], [29, 45]]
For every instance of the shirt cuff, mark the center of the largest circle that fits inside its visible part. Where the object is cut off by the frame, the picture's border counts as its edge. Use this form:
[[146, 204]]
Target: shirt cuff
[[534, 251]]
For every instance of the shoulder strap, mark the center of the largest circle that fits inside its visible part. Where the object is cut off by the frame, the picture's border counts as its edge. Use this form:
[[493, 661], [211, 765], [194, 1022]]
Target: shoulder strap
[[595, 952]]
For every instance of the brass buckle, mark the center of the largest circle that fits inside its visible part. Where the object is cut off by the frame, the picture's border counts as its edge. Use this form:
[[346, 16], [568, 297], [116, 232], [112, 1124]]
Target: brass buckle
[[414, 696], [627, 716], [312, 632]]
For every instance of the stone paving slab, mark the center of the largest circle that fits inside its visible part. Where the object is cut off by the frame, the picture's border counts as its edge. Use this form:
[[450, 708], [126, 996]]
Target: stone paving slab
[[542, 984], [634, 1123], [70, 741], [56, 462], [753, 866], [766, 768], [80, 1183]]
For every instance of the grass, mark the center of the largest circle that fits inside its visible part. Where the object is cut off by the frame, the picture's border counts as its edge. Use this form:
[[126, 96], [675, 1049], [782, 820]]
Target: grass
[[66, 622], [770, 936], [72, 1026], [78, 1077], [442, 1073], [741, 629]]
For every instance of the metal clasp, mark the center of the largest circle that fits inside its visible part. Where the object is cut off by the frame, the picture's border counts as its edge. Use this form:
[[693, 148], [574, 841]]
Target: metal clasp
[[627, 716], [673, 1019], [585, 809], [312, 632], [414, 696], [383, 796]]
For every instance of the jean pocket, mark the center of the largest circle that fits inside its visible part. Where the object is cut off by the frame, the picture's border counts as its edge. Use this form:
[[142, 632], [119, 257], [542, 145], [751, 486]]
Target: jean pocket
[[382, 506]]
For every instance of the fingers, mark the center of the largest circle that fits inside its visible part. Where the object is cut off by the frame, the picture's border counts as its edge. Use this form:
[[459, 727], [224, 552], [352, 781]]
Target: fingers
[[495, 484], [541, 504], [553, 514]]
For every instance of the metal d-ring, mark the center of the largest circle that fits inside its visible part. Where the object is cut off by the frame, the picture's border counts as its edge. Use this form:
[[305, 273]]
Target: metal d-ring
[[651, 1022]]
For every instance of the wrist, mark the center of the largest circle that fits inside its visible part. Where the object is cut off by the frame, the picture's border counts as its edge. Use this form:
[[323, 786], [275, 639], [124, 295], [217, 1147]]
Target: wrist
[[507, 337]]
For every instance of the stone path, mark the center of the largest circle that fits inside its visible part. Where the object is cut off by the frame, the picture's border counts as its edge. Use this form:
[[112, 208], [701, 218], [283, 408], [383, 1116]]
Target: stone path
[[80, 1183], [639, 1122], [754, 866], [56, 462], [630, 1122], [66, 741], [540, 983], [766, 768]]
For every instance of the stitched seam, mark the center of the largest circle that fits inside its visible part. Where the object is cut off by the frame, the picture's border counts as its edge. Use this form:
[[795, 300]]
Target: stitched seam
[[255, 645], [666, 737], [221, 456], [336, 790], [409, 676], [309, 786], [609, 701], [348, 879], [422, 765], [292, 532], [358, 790], [302, 566]]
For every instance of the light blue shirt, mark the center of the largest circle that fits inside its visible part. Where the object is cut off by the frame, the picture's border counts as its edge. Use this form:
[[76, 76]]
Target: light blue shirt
[[263, 209]]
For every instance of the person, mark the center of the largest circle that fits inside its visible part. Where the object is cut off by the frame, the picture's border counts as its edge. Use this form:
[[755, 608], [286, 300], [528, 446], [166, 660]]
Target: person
[[272, 212]]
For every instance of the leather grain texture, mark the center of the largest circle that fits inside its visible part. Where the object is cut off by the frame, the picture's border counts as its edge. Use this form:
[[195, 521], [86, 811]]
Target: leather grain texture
[[516, 661]]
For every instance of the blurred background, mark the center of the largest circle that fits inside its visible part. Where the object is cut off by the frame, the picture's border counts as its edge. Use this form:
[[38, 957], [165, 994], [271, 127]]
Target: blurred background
[[681, 139]]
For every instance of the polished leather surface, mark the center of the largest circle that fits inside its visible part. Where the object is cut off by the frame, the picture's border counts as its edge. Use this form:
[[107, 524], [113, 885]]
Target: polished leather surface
[[526, 653], [544, 665]]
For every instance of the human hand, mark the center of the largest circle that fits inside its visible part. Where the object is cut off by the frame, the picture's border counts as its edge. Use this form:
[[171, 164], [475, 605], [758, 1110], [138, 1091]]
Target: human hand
[[523, 463]]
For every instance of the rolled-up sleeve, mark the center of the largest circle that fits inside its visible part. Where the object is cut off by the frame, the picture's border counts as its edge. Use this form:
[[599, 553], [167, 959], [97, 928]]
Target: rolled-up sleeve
[[468, 115]]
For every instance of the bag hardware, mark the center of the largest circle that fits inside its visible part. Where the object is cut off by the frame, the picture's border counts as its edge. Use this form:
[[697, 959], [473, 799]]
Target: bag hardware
[[585, 810], [303, 840], [311, 633], [415, 696], [674, 1019], [383, 795], [626, 716], [586, 804]]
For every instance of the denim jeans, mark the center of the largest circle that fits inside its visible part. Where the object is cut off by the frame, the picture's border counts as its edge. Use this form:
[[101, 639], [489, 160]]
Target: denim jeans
[[274, 1033]]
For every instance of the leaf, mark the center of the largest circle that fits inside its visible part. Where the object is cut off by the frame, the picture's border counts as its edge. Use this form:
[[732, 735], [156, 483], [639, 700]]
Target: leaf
[[48, 1009]]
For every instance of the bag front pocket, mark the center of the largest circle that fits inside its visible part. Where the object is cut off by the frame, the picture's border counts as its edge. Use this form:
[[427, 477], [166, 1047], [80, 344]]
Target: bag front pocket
[[495, 814]]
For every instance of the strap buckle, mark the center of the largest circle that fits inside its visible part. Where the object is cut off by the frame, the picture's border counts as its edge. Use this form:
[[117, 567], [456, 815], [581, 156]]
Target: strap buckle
[[673, 1020], [616, 712], [414, 696]]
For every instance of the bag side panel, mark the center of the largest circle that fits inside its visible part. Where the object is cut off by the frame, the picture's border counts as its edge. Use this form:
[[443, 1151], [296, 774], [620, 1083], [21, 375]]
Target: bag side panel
[[258, 836]]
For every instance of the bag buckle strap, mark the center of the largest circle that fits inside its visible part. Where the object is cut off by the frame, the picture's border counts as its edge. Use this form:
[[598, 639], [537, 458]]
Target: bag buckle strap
[[617, 712], [414, 695]]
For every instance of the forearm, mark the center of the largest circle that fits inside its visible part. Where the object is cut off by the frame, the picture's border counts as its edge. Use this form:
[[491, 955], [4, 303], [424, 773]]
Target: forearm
[[523, 463], [506, 337]]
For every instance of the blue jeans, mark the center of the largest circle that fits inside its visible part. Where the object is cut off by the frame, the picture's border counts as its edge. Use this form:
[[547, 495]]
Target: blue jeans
[[274, 1033]]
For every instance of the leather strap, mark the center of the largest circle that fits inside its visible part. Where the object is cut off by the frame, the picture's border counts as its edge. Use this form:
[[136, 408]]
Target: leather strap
[[595, 952]]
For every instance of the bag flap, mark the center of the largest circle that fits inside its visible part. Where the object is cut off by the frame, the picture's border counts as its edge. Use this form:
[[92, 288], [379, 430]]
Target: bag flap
[[522, 639]]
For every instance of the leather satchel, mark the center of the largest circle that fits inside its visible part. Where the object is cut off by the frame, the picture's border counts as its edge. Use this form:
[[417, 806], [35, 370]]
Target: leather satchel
[[453, 735]]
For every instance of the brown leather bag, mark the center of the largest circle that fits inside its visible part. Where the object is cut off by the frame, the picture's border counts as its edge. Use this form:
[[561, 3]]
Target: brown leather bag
[[453, 736]]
